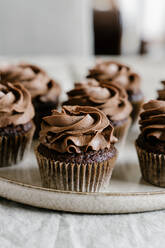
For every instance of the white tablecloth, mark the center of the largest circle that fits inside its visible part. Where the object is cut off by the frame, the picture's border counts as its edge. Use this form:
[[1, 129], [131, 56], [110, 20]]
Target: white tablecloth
[[24, 226], [28, 227]]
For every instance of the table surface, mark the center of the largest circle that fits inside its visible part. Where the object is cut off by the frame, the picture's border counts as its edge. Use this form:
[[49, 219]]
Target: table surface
[[24, 226]]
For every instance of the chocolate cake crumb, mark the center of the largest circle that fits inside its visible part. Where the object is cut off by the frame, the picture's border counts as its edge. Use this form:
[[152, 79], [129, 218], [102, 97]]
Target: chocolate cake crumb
[[80, 158], [15, 130], [151, 145]]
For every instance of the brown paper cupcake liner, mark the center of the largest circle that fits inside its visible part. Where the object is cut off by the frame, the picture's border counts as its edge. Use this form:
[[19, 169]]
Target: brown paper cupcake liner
[[136, 110], [74, 177], [152, 166], [13, 148], [121, 132]]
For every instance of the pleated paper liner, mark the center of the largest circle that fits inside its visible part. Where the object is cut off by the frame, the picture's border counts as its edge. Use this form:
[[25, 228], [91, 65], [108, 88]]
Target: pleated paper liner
[[74, 177], [13, 148], [121, 132], [152, 166], [136, 110]]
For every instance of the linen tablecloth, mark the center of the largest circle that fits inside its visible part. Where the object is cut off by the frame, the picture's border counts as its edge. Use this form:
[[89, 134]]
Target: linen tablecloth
[[28, 227], [25, 226]]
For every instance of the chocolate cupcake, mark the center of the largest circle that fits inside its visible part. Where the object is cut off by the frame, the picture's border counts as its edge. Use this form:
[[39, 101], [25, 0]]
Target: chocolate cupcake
[[108, 71], [110, 98], [16, 125], [150, 144], [44, 90], [76, 150]]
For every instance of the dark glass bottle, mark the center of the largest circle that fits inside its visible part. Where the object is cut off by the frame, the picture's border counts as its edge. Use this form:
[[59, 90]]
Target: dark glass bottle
[[107, 28]]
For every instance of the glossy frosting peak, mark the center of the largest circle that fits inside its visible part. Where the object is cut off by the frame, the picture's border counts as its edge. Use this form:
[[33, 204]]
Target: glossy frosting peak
[[15, 105], [33, 78], [77, 129], [111, 98], [153, 120], [113, 71]]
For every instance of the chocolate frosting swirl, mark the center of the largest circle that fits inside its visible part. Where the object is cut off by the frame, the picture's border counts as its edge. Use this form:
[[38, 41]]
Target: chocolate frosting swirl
[[111, 98], [161, 93], [153, 120], [15, 105], [77, 129], [113, 71], [33, 78]]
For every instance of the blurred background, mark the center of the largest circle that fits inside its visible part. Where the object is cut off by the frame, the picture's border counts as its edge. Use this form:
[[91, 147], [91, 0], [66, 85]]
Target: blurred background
[[82, 27]]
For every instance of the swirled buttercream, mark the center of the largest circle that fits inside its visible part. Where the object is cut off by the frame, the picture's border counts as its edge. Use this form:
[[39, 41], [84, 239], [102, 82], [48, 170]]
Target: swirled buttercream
[[33, 79], [77, 129], [111, 98], [15, 105], [152, 122], [114, 71]]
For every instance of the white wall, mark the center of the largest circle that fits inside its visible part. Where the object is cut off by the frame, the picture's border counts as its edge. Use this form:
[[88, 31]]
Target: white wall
[[45, 27]]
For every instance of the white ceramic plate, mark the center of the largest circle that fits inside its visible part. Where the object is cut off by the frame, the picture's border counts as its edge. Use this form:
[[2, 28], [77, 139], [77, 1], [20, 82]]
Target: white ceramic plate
[[127, 192]]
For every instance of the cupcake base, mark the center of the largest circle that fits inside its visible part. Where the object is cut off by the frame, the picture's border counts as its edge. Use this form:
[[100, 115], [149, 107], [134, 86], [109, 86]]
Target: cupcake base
[[73, 176], [152, 166], [136, 110], [42, 109], [137, 101], [14, 143], [121, 130]]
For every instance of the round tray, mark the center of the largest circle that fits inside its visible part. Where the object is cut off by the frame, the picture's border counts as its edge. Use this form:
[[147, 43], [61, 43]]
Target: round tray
[[127, 192]]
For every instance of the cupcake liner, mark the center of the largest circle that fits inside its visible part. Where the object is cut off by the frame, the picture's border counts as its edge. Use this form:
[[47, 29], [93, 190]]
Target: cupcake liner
[[14, 147], [152, 166], [121, 132], [74, 177], [136, 110]]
